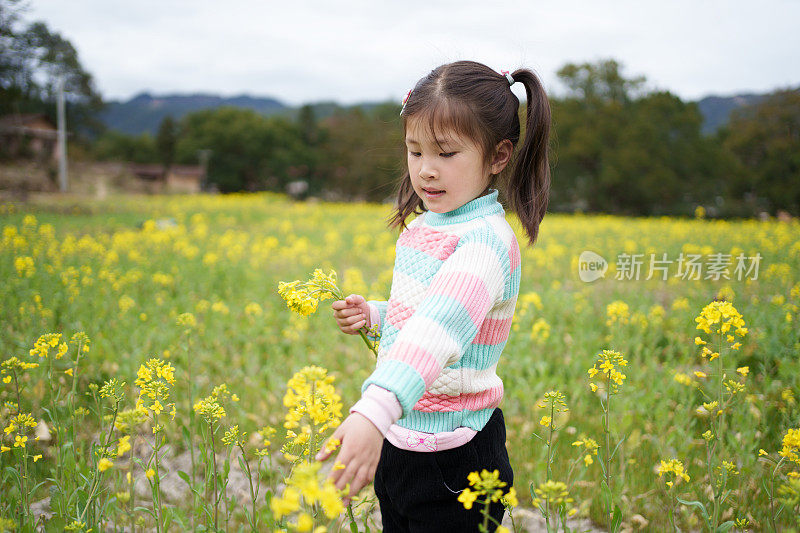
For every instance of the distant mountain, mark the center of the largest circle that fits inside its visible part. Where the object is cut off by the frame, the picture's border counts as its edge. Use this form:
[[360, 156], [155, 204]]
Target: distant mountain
[[144, 112], [716, 110]]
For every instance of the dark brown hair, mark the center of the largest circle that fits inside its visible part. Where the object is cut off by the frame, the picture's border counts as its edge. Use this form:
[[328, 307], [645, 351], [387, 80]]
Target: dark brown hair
[[474, 101]]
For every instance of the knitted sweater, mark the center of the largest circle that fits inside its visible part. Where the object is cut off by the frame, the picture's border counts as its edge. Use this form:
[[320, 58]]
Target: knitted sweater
[[454, 289]]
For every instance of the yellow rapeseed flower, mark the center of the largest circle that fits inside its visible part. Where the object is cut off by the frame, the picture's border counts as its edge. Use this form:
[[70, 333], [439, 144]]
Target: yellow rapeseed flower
[[607, 363], [467, 498], [302, 297], [721, 317], [675, 467], [617, 312], [123, 445], [104, 464], [791, 446], [552, 492], [509, 499]]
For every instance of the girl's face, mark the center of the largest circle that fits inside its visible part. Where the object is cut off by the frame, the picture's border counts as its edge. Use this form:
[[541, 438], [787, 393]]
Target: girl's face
[[445, 174]]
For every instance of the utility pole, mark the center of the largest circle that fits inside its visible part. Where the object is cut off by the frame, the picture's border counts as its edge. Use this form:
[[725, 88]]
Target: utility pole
[[62, 138], [204, 155]]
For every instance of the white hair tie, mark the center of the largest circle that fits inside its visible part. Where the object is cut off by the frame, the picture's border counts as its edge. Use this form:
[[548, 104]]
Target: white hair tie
[[508, 76]]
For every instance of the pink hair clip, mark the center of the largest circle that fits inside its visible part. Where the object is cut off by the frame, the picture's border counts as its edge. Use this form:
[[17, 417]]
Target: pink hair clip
[[404, 102]]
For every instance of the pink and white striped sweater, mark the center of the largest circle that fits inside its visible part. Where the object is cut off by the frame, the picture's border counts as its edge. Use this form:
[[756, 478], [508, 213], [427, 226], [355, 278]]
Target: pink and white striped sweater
[[454, 289]]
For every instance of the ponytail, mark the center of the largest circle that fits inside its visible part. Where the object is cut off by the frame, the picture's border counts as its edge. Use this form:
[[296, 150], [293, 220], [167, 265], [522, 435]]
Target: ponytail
[[529, 183]]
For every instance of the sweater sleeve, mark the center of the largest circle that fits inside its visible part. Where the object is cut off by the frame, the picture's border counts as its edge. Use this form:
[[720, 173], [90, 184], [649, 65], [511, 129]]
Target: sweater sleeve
[[377, 312], [466, 286]]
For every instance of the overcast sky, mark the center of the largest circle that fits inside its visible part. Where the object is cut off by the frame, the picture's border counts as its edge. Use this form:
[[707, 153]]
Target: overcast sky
[[351, 51]]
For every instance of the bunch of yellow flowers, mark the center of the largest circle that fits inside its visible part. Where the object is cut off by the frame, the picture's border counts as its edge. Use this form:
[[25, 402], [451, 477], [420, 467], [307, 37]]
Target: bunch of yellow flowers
[[556, 402], [154, 379], [553, 492], [486, 485], [210, 408], [590, 446], [302, 297], [19, 426], [303, 487], [43, 344], [791, 446], [673, 466], [311, 391], [724, 319], [607, 363], [617, 312]]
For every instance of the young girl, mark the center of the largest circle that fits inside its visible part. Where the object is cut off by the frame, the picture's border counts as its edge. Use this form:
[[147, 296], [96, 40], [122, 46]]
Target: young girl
[[428, 414]]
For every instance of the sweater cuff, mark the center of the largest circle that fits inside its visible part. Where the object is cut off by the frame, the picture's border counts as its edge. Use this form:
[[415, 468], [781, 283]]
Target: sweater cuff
[[380, 406], [374, 315]]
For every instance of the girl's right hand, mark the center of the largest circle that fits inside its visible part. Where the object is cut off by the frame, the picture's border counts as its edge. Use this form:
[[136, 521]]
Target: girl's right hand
[[351, 314]]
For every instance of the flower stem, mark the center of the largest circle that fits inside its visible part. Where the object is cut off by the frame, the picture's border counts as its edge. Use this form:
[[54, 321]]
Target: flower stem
[[214, 458]]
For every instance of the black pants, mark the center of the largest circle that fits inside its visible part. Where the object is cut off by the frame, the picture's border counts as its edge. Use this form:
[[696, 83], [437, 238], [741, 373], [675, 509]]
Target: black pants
[[418, 491]]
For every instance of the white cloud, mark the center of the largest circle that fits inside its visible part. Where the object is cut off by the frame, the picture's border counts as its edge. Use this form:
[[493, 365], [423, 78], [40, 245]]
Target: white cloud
[[356, 50]]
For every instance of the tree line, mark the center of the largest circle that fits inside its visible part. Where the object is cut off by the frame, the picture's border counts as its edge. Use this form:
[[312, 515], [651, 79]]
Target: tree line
[[616, 146]]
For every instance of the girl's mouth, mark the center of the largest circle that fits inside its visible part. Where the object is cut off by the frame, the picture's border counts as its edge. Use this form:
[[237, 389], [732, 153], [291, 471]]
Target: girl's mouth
[[432, 193]]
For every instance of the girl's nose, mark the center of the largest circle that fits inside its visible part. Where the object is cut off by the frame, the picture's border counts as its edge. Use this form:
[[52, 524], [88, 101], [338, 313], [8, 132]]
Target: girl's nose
[[426, 171]]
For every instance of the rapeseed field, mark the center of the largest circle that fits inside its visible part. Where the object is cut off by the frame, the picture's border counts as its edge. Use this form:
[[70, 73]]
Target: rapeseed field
[[153, 376]]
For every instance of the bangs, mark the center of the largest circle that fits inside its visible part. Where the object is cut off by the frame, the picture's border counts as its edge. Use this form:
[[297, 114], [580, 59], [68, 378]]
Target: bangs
[[444, 117]]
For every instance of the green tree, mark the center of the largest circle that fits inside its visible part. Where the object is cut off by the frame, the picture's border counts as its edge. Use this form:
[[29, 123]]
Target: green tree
[[116, 146], [166, 139], [33, 62], [364, 153], [625, 150], [765, 138], [248, 151]]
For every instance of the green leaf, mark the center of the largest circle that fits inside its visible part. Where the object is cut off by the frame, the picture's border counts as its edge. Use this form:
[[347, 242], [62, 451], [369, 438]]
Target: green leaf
[[14, 473], [700, 506], [617, 446], [725, 527], [766, 489], [605, 493], [616, 519], [145, 509], [185, 477]]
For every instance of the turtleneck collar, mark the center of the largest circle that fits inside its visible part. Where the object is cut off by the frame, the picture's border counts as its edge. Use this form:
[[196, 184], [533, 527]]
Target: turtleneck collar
[[479, 207]]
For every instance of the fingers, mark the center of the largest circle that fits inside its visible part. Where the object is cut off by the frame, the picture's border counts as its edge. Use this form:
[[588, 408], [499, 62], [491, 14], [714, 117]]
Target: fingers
[[348, 312], [323, 452], [350, 318], [355, 299], [357, 476], [339, 305], [351, 314], [352, 324]]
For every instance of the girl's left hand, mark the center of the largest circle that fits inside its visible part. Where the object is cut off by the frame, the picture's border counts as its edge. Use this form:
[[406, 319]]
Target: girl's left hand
[[359, 453]]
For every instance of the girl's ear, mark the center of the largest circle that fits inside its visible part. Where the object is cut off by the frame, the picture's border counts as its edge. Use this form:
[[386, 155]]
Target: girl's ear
[[502, 155]]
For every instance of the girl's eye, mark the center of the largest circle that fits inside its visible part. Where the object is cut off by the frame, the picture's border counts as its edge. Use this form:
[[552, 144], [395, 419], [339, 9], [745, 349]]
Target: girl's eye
[[448, 154], [415, 154]]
